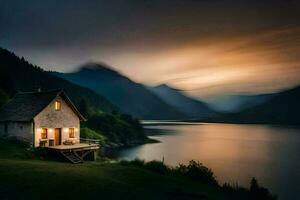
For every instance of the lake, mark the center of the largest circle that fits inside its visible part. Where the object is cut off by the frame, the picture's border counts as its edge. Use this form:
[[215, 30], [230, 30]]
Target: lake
[[234, 152]]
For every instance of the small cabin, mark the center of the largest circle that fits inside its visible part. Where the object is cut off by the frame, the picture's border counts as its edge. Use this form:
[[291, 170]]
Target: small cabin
[[43, 118], [46, 119]]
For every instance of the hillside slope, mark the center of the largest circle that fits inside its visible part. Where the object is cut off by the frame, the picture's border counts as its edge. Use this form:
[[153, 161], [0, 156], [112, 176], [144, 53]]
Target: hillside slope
[[16, 75], [282, 108], [132, 98], [191, 107], [236, 103]]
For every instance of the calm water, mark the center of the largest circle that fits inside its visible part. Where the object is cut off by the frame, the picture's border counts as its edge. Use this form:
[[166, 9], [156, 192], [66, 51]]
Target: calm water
[[234, 152]]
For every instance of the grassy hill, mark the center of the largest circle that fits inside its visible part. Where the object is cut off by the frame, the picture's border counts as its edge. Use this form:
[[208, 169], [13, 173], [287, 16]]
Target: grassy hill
[[24, 176]]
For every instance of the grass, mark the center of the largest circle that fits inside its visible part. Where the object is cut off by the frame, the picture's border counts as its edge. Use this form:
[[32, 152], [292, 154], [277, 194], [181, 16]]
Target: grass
[[27, 177]]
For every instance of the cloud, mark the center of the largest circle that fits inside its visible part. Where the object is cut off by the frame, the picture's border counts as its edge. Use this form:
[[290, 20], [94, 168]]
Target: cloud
[[199, 46]]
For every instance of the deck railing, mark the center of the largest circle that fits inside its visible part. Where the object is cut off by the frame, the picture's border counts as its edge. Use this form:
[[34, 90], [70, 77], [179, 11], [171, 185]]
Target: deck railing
[[89, 141]]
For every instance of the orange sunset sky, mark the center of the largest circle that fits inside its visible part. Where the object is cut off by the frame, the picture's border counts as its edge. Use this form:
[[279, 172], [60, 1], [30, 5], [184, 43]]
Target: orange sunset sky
[[205, 48]]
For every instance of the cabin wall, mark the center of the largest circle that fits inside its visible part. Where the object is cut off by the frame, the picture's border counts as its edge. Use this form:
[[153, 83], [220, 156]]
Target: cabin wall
[[18, 130], [50, 118]]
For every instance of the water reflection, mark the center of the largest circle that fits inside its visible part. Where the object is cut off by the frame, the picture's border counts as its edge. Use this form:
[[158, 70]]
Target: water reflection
[[234, 152]]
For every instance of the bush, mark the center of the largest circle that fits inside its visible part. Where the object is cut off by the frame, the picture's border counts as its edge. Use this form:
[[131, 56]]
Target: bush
[[157, 166], [259, 192], [90, 134], [3, 98], [135, 162], [138, 162], [196, 171], [119, 129]]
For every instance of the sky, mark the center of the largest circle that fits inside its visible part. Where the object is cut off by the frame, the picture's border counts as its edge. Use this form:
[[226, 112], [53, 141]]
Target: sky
[[204, 47]]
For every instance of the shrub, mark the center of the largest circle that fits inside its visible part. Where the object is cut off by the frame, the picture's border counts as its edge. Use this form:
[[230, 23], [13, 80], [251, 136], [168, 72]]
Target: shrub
[[135, 162], [138, 162], [157, 166], [91, 134], [233, 187], [3, 98], [196, 171], [119, 129], [255, 192], [259, 192]]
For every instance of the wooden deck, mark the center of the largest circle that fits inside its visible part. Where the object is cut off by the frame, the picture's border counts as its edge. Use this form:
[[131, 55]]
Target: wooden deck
[[79, 146], [76, 153]]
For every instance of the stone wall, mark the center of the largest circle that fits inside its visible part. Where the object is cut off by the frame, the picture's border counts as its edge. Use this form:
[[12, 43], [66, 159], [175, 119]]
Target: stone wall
[[50, 118], [19, 130]]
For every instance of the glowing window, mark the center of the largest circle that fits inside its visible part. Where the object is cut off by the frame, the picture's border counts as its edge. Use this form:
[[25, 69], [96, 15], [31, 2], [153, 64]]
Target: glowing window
[[71, 133], [44, 133], [57, 105]]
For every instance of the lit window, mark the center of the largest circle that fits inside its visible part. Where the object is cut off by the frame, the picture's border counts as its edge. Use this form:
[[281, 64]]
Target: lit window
[[71, 133], [44, 133], [57, 105]]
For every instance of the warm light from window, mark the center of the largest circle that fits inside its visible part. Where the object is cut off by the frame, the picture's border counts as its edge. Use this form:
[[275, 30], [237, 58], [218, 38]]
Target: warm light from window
[[71, 133], [57, 105], [44, 133]]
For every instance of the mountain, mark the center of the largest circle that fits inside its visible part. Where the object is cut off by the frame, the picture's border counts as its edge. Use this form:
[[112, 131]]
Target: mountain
[[236, 103], [193, 108], [281, 108], [16, 74], [132, 98]]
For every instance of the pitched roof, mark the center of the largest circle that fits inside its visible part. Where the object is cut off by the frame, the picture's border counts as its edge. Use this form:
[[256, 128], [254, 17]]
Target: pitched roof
[[25, 106]]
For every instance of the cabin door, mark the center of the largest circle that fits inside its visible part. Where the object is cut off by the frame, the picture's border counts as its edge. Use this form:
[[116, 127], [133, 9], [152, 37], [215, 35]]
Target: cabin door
[[57, 136]]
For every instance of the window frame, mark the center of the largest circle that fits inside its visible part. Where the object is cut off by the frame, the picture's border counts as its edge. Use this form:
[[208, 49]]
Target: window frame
[[57, 105], [42, 133], [71, 132]]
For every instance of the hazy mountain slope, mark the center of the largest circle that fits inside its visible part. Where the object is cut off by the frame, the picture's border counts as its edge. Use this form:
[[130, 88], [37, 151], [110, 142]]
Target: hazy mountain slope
[[18, 75], [236, 103], [282, 108], [191, 107], [130, 97]]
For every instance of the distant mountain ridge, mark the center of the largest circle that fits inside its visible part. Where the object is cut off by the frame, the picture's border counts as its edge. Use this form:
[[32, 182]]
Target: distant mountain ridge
[[131, 97], [281, 108], [96, 85], [194, 109], [236, 103]]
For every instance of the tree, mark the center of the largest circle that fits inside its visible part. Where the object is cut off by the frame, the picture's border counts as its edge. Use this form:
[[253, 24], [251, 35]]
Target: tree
[[83, 108], [3, 98]]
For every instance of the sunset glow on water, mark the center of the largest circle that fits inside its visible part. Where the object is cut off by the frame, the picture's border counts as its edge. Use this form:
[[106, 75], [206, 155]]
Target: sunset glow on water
[[236, 153]]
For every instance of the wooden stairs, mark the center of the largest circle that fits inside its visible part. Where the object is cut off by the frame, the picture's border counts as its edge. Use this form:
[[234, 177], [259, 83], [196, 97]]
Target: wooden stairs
[[72, 156]]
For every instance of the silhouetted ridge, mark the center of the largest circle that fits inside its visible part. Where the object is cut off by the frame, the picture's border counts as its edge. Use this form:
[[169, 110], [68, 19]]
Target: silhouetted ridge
[[166, 86], [281, 108], [131, 97], [96, 67], [18, 75], [194, 109]]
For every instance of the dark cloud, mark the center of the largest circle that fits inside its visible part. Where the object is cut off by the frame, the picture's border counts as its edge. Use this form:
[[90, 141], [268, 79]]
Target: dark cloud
[[135, 34], [47, 23]]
